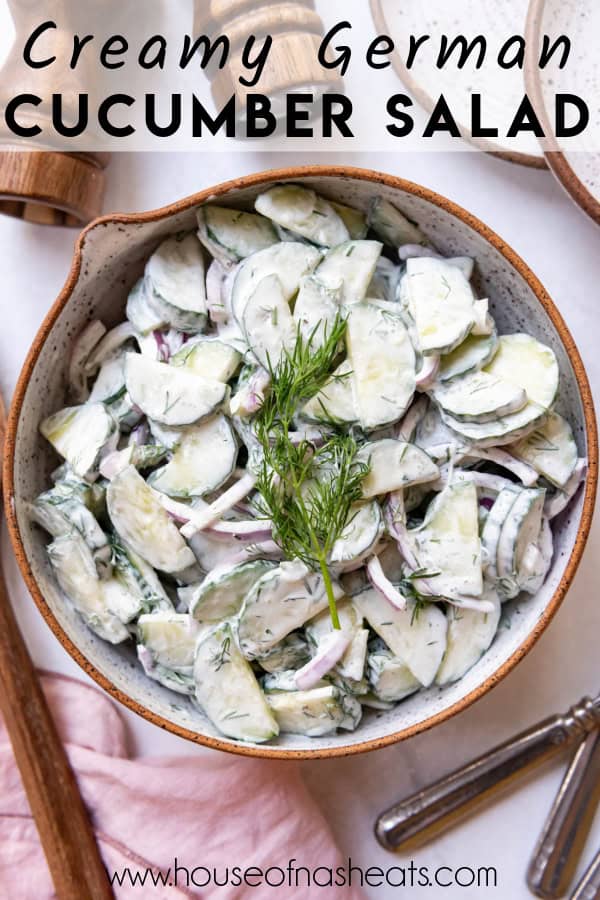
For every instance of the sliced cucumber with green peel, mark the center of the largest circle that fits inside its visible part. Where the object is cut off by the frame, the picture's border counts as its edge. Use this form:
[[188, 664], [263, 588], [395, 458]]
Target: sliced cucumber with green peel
[[391, 680], [231, 235], [492, 528], [314, 713], [524, 361], [441, 302], [81, 434], [170, 395], [416, 637], [392, 226], [227, 689], [175, 283], [139, 578], [350, 266], [521, 528], [335, 403], [171, 639], [315, 310], [279, 603], [502, 431], [268, 324], [140, 312], [60, 512], [289, 261], [141, 521], [394, 465], [480, 397], [470, 634], [290, 654], [550, 449], [447, 544], [76, 574], [202, 462], [224, 589], [360, 535], [354, 220], [470, 356], [383, 364], [209, 358], [304, 212]]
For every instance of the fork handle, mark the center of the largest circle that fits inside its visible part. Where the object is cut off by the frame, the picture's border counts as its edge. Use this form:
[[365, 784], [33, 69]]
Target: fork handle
[[589, 886], [62, 821], [435, 807]]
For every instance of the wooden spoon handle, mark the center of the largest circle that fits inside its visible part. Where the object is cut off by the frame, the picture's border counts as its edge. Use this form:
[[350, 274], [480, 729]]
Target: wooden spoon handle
[[61, 818]]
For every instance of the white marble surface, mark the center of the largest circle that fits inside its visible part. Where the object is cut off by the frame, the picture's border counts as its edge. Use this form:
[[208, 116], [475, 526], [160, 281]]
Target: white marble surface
[[530, 211]]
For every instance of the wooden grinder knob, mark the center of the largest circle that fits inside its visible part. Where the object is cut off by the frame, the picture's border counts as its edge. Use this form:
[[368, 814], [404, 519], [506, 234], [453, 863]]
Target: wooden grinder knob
[[38, 182], [293, 63]]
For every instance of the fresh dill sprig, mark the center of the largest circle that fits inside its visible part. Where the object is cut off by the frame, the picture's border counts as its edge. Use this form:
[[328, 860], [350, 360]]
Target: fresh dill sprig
[[306, 491]]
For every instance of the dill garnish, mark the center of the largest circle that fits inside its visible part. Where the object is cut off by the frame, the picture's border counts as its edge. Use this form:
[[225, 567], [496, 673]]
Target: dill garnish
[[306, 491]]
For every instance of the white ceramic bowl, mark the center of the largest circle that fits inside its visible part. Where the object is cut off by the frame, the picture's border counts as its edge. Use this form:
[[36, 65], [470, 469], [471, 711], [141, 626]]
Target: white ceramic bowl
[[109, 257]]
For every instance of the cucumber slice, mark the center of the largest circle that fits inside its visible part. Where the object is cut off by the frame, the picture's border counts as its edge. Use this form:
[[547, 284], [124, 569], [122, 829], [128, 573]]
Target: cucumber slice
[[304, 212], [76, 574], [315, 310], [470, 634], [352, 664], [501, 431], [290, 654], [536, 561], [230, 235], [140, 311], [280, 602], [490, 534], [354, 220], [81, 435], [142, 522], [176, 285], [551, 450], [385, 281], [524, 361], [394, 465], [392, 226], [314, 713], [109, 386], [360, 535], [227, 690], [350, 266], [222, 592], [139, 578], [470, 356], [202, 462], [480, 397], [417, 638], [170, 395], [289, 261], [390, 679], [383, 363], [441, 301], [521, 528], [268, 323], [208, 358], [171, 639], [59, 512], [448, 543], [335, 401]]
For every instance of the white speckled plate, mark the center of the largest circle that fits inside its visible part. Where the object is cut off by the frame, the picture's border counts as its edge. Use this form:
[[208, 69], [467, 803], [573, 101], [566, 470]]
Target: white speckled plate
[[574, 161], [502, 91], [109, 257]]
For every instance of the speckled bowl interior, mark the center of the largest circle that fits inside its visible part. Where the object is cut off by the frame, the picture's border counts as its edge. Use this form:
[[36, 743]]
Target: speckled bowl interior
[[110, 257]]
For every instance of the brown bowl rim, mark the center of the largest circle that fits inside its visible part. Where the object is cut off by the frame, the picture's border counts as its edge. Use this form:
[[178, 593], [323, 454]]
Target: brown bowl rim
[[489, 146], [266, 177], [556, 159]]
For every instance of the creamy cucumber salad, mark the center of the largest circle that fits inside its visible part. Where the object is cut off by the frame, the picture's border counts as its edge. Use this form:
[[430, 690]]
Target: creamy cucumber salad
[[305, 473]]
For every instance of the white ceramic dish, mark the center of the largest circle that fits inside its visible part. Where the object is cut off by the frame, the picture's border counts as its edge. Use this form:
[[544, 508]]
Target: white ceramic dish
[[109, 257]]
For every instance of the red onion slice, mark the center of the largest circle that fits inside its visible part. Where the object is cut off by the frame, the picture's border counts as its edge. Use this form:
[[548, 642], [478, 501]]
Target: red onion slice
[[328, 655], [407, 427], [206, 517], [381, 583], [428, 373], [506, 460]]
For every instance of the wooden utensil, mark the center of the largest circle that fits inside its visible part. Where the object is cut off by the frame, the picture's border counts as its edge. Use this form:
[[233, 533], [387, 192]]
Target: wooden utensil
[[63, 824], [293, 63], [435, 807]]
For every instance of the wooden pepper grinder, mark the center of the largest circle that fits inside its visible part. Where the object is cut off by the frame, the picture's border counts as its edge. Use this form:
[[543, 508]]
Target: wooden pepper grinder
[[39, 183], [293, 63]]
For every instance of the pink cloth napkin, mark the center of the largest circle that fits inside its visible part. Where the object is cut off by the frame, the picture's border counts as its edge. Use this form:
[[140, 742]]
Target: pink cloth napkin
[[212, 811]]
